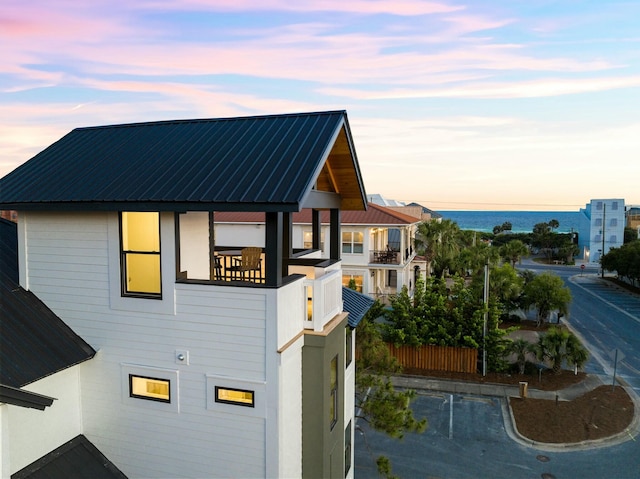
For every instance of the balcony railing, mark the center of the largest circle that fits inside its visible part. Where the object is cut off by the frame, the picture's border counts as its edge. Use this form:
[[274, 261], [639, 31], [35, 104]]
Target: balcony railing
[[384, 257], [324, 299]]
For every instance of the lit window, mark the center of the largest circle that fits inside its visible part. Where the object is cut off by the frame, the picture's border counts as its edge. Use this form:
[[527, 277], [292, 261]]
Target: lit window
[[140, 252], [307, 240], [353, 281], [333, 405], [153, 389], [239, 397], [352, 242]]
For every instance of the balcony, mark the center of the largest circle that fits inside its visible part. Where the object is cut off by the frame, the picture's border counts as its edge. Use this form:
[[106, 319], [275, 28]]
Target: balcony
[[384, 257]]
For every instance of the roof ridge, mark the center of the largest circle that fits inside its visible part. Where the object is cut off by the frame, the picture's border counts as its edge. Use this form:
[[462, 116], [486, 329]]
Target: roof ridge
[[206, 120], [396, 214]]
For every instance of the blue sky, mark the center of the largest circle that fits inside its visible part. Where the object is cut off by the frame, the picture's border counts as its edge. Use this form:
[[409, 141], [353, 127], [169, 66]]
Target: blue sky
[[525, 105]]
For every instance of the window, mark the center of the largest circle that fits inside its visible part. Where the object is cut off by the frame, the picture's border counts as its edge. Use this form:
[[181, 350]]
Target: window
[[239, 397], [613, 239], [140, 254], [599, 205], [333, 406], [614, 222], [347, 449], [307, 240], [598, 222], [352, 242], [614, 205], [392, 278], [349, 346], [153, 389], [355, 280]]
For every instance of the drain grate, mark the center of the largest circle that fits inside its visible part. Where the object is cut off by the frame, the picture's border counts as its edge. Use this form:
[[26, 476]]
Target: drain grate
[[546, 475], [542, 458]]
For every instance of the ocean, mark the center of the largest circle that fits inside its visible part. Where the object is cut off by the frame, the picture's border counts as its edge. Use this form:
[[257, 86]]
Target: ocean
[[521, 221]]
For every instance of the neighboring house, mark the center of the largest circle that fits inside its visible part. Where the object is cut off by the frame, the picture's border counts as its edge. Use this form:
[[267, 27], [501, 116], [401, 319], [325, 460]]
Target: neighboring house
[[601, 227], [40, 363], [633, 218], [377, 245], [208, 364]]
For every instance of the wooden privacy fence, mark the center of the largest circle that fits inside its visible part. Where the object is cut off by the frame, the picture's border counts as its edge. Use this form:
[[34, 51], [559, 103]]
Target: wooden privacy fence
[[438, 358]]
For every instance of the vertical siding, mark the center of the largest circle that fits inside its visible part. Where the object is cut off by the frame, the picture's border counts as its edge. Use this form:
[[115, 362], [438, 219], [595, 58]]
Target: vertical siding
[[222, 328]]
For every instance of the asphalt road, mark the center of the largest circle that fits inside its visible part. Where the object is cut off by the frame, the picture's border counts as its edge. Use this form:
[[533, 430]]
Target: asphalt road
[[466, 437]]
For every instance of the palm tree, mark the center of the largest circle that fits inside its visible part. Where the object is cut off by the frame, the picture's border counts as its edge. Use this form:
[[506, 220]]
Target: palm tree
[[513, 251], [559, 345], [521, 347], [438, 242]]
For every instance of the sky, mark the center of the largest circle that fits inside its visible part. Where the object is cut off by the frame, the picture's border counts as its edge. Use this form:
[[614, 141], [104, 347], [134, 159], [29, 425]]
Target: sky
[[457, 105]]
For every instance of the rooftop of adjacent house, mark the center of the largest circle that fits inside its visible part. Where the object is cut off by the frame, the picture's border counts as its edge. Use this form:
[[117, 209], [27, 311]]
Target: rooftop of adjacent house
[[34, 342], [375, 215], [259, 163], [356, 304], [76, 459]]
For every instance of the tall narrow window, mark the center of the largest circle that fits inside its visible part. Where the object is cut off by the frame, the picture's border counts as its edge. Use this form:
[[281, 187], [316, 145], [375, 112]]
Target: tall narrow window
[[333, 405], [140, 254], [347, 449], [348, 346]]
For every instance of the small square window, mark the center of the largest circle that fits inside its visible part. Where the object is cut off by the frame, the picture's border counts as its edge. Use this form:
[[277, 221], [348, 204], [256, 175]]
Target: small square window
[[153, 389], [239, 397]]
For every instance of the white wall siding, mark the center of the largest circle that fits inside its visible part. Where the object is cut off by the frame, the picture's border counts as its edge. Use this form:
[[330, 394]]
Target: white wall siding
[[290, 413], [35, 433]]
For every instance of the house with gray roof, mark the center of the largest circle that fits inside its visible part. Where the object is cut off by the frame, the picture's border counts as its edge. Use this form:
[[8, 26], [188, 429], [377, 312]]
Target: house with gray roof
[[212, 359]]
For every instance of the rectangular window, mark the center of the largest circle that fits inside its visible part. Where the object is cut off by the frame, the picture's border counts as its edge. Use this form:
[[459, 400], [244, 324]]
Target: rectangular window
[[599, 205], [153, 389], [614, 205], [239, 397], [352, 242], [347, 449], [333, 405], [349, 346], [392, 278], [598, 222], [140, 254], [307, 240], [613, 239], [353, 281], [614, 222]]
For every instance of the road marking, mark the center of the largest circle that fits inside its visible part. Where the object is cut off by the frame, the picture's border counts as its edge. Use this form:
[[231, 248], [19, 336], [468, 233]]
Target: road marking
[[635, 318]]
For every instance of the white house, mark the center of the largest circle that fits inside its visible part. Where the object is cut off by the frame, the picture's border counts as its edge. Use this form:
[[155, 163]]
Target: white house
[[207, 364], [601, 227], [377, 245]]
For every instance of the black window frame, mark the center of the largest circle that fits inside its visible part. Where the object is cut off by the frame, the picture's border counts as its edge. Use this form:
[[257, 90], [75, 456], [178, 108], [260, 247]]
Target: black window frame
[[123, 261], [149, 398], [217, 399]]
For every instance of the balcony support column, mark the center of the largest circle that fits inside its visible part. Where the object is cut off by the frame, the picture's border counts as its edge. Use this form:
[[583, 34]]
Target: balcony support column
[[316, 229], [335, 241], [274, 248]]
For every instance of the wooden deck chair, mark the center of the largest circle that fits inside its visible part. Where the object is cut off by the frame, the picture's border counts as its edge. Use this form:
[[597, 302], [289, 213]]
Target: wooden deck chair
[[248, 266]]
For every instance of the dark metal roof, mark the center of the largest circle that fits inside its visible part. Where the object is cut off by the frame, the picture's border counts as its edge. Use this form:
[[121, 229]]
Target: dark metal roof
[[76, 459], [260, 163], [34, 342], [356, 304], [22, 398]]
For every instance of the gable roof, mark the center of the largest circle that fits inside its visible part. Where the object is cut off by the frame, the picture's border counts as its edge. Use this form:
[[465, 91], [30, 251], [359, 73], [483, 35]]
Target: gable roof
[[34, 342], [260, 163], [76, 459], [374, 215]]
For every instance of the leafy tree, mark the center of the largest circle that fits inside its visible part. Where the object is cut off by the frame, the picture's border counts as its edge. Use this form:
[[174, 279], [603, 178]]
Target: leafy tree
[[625, 261], [439, 316], [506, 226], [559, 345], [630, 234], [546, 292], [521, 347], [554, 224], [513, 251], [352, 284], [377, 402]]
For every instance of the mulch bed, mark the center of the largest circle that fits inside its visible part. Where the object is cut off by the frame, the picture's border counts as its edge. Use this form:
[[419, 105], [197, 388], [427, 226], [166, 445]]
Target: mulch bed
[[603, 412]]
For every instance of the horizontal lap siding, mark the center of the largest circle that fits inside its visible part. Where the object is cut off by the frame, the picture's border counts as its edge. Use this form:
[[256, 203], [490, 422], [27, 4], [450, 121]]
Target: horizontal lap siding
[[222, 328]]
